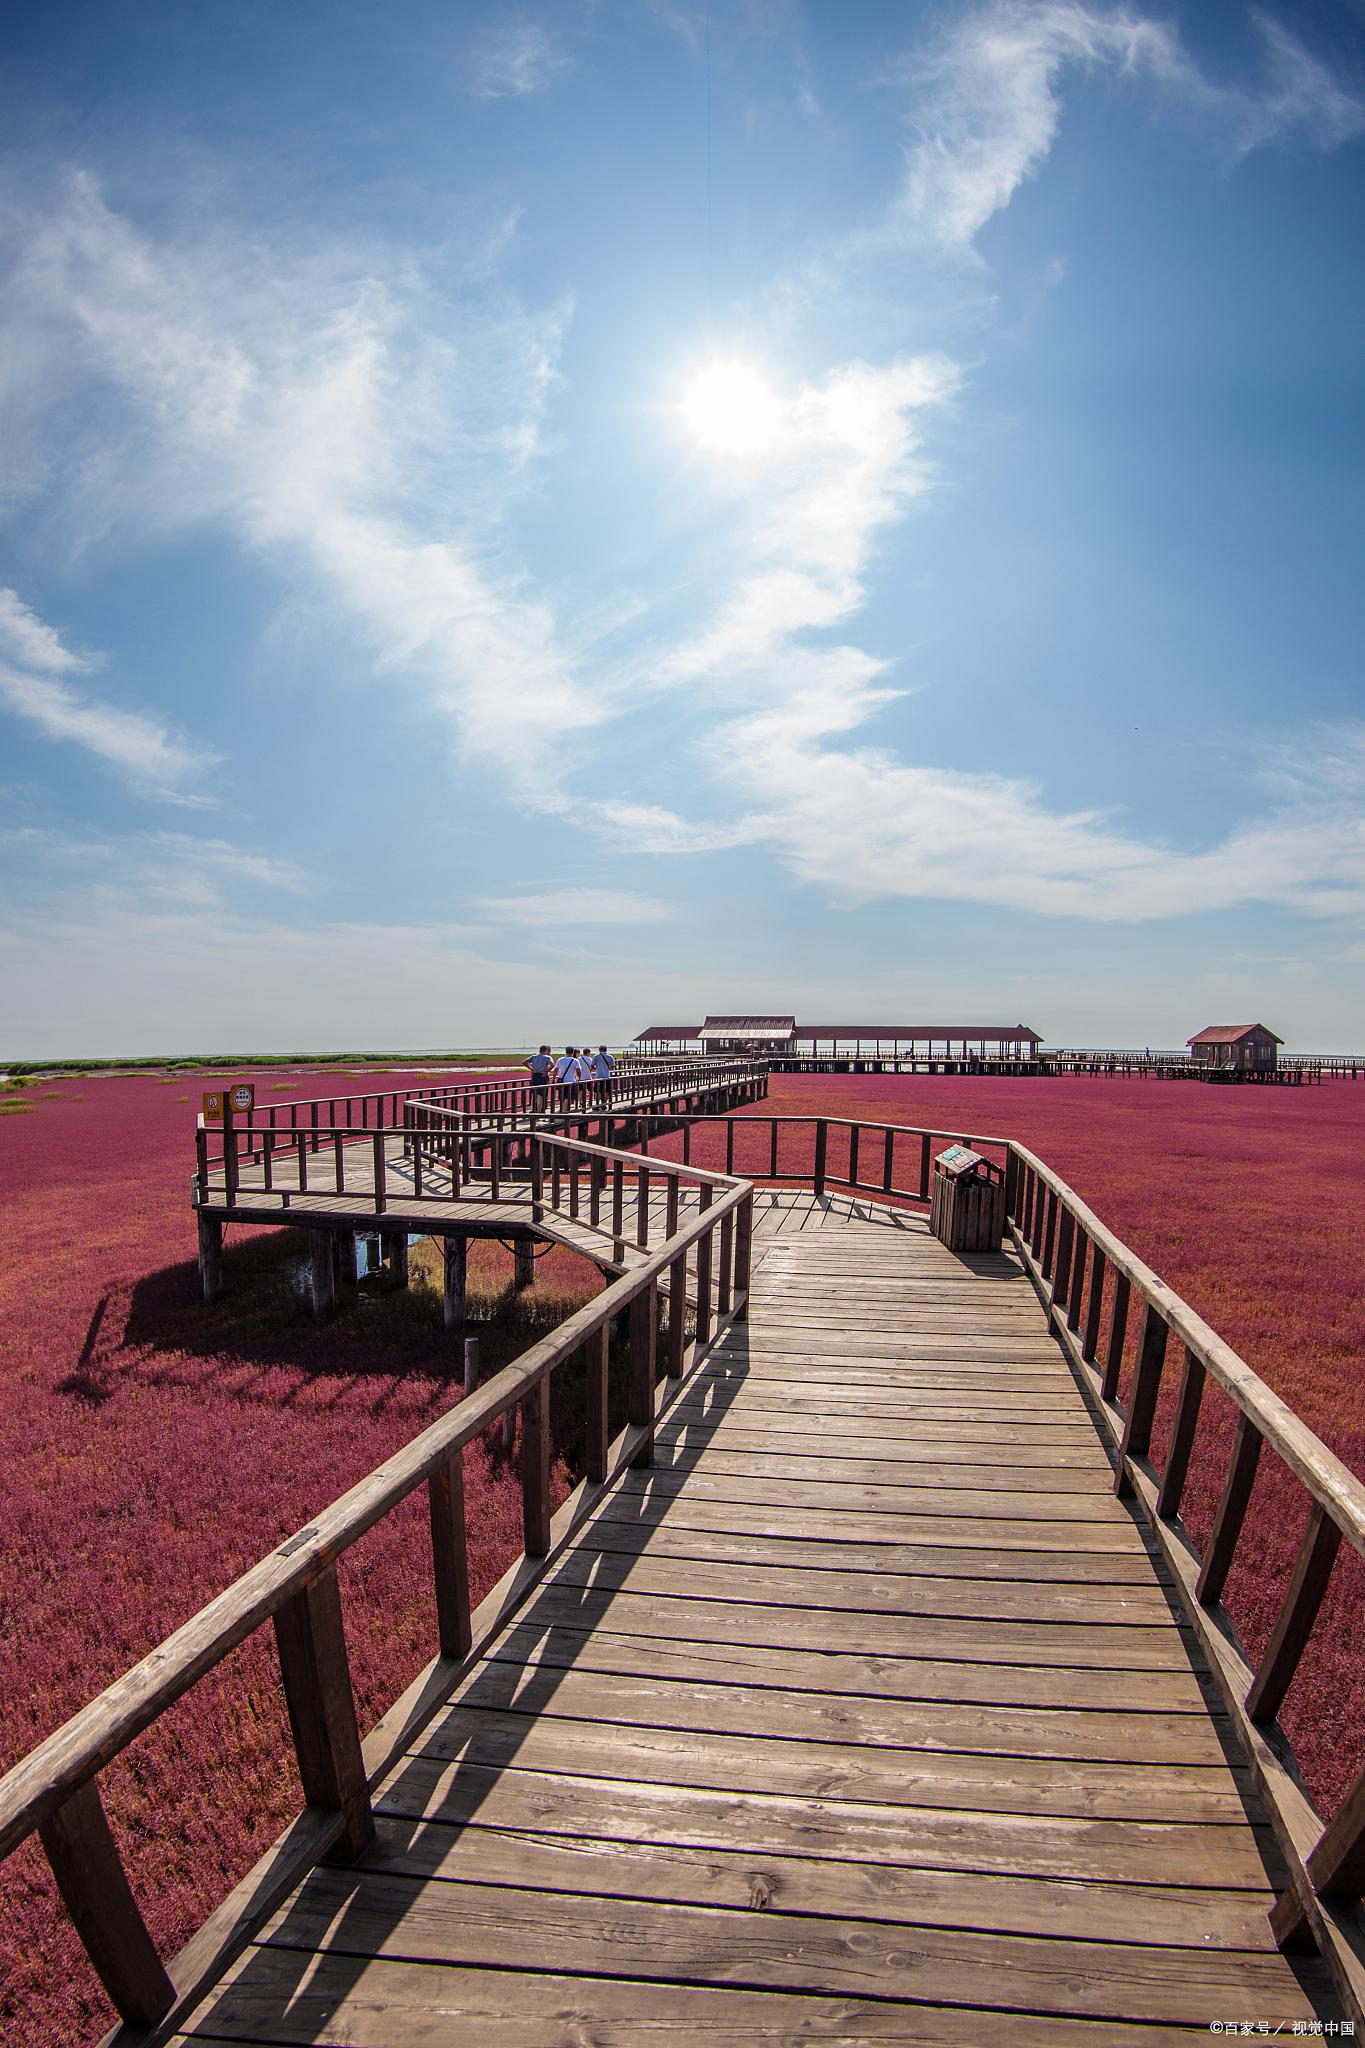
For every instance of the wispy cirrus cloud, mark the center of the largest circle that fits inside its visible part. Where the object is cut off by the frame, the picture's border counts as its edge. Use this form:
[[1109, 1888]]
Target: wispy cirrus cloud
[[35, 668], [515, 60], [554, 909], [56, 873], [986, 104], [861, 824], [328, 411]]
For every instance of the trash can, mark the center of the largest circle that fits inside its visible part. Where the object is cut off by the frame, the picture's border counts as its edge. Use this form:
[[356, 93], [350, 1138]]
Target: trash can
[[967, 1202]]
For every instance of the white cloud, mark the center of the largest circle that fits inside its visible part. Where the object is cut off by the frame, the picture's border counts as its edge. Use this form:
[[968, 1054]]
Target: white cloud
[[60, 876], [27, 640], [552, 909], [986, 102], [514, 61], [332, 414], [860, 824], [153, 759], [842, 460]]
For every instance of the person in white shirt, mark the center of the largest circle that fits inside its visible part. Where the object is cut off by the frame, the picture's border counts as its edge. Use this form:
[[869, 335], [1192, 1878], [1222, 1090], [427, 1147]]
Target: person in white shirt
[[567, 1076], [603, 1067]]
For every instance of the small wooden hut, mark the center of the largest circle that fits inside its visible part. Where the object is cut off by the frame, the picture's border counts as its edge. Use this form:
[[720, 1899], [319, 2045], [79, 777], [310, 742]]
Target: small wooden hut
[[1235, 1048]]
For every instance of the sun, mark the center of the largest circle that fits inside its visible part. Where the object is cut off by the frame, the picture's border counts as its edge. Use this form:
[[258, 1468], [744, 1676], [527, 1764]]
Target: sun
[[730, 409]]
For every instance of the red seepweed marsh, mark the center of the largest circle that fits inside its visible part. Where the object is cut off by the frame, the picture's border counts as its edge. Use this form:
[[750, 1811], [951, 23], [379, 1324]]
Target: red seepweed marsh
[[153, 1448]]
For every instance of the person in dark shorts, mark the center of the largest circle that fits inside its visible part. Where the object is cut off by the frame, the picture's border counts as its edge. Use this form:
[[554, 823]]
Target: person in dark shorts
[[540, 1064]]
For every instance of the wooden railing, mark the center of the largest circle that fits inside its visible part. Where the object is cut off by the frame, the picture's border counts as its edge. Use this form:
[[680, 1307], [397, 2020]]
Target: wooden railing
[[501, 1096], [336, 1125], [1094, 1289], [55, 1789], [890, 1162]]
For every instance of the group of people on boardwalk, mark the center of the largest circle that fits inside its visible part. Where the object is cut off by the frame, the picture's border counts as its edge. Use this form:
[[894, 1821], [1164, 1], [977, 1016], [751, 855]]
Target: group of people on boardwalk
[[576, 1080]]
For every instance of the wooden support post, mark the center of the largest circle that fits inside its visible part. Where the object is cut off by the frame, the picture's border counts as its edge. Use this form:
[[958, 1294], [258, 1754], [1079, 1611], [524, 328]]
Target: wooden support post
[[1137, 1428], [210, 1256], [93, 1883], [727, 1262], [317, 1690], [450, 1557], [523, 1264], [322, 1262], [1077, 1293], [1335, 1868], [1094, 1306], [535, 1468], [1303, 1597], [644, 1318], [1061, 1272], [704, 1275], [618, 1196], [821, 1143], [1118, 1330], [393, 1249], [744, 1252], [454, 1278], [1182, 1439], [1227, 1527], [599, 1435], [343, 1251]]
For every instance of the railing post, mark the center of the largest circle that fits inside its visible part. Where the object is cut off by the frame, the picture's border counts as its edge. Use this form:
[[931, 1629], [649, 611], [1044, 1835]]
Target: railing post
[[704, 1274], [1182, 1438], [644, 1317], [1061, 1272], [618, 1196], [1303, 1597], [538, 1180], [642, 1208], [1079, 1248], [94, 1885], [744, 1242], [821, 1141], [1137, 1428], [925, 1147], [535, 1468], [1227, 1527], [450, 1557], [317, 1689], [1094, 1307], [230, 1174], [1118, 1330], [380, 1173], [599, 1436], [727, 1255]]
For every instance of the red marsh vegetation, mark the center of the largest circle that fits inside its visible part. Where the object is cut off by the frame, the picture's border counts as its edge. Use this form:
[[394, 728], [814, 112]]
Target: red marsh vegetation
[[152, 1448]]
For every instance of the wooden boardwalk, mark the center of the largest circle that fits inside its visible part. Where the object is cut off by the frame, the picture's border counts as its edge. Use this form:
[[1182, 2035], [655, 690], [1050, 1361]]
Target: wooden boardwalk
[[863, 1715]]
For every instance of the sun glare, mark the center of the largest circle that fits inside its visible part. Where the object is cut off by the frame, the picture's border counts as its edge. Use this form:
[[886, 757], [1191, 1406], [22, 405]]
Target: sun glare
[[730, 408]]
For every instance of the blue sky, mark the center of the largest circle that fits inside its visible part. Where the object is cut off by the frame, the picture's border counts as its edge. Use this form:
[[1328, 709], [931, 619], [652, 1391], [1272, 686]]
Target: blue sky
[[486, 552]]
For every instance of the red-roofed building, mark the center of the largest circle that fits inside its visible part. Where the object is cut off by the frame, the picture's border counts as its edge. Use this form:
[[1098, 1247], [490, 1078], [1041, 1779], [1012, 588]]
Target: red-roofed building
[[1235, 1048]]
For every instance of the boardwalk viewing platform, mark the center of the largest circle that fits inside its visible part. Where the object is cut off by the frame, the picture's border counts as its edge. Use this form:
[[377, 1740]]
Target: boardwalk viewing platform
[[869, 1687]]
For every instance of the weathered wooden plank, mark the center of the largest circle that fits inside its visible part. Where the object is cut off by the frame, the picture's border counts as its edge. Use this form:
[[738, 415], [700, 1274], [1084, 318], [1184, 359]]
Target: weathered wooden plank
[[755, 1821], [709, 1705], [863, 1592], [378, 2003], [461, 1922], [904, 1676], [1133, 1648]]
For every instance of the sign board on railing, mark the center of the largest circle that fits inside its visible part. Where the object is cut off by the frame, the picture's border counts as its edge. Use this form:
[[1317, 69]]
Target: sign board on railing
[[242, 1097]]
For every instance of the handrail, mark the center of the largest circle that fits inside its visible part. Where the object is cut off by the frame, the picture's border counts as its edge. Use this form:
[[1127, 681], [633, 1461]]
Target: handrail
[[1081, 1270], [54, 1788]]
